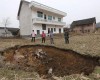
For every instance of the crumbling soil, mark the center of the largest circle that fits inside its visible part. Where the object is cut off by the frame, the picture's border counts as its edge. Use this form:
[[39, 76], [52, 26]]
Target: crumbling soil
[[42, 58]]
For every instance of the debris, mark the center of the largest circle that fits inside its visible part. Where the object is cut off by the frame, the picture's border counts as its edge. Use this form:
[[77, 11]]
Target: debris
[[50, 71]]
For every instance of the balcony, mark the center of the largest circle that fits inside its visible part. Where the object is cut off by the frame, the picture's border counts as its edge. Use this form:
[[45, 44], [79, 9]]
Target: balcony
[[44, 21], [37, 5]]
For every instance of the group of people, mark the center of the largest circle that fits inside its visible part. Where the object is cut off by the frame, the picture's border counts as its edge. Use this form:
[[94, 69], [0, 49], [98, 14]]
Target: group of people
[[43, 36]]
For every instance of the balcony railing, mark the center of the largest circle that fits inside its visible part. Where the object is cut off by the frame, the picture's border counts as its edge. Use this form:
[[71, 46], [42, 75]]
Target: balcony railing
[[44, 21], [47, 8]]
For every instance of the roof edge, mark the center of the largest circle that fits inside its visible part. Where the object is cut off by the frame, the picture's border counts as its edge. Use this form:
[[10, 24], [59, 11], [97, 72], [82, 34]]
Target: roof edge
[[20, 5], [77, 22], [45, 6]]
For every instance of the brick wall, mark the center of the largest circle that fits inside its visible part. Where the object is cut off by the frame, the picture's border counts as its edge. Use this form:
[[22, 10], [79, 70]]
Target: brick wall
[[85, 28]]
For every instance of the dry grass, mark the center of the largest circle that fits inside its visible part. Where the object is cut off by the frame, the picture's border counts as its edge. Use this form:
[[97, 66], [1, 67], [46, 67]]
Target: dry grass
[[86, 44], [6, 74]]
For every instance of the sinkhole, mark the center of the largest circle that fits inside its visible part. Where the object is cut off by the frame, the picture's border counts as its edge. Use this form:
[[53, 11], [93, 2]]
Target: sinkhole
[[42, 58]]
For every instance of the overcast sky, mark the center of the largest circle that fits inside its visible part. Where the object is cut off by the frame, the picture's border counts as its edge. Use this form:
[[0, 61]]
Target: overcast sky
[[75, 9]]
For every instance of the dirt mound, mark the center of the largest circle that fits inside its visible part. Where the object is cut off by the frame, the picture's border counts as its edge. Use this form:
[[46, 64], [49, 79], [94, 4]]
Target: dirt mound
[[50, 60]]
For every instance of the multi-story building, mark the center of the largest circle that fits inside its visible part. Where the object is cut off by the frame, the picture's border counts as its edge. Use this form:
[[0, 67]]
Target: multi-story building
[[39, 17]]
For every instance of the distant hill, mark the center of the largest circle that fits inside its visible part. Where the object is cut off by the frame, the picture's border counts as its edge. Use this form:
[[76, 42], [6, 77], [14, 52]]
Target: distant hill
[[98, 24]]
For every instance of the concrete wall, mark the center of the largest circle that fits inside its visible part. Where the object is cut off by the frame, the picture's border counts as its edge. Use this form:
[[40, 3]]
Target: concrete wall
[[25, 19]]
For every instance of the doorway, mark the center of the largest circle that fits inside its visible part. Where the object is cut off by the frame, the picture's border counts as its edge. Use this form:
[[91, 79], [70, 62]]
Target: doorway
[[52, 30], [38, 32], [59, 30], [45, 16], [48, 30]]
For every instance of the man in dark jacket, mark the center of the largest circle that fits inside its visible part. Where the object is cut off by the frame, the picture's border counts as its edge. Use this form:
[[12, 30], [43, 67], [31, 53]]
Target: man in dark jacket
[[66, 36]]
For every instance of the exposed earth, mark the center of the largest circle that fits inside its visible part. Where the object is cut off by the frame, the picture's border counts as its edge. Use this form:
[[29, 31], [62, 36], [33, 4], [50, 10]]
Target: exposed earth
[[49, 60]]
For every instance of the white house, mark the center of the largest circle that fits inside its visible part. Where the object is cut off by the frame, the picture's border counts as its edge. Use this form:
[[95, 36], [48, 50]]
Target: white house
[[39, 17]]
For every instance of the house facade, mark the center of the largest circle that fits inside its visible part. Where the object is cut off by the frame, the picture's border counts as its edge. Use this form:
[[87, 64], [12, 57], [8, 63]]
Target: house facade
[[84, 26], [39, 17]]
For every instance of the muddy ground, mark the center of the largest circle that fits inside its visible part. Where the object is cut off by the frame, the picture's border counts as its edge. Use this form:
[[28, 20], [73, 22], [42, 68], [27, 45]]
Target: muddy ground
[[42, 59]]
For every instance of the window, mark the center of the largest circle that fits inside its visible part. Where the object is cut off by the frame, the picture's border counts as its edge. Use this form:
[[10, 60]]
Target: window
[[39, 14], [38, 31], [45, 17], [88, 24], [59, 19], [59, 30], [32, 20], [54, 29], [48, 30], [53, 18], [43, 26], [88, 30], [49, 17]]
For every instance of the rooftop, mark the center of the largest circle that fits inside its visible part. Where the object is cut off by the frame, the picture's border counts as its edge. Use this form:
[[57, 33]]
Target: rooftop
[[10, 28], [83, 22], [47, 8], [34, 4]]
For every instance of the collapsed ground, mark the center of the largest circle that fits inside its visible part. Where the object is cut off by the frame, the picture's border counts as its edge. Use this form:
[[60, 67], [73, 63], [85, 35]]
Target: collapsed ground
[[42, 58]]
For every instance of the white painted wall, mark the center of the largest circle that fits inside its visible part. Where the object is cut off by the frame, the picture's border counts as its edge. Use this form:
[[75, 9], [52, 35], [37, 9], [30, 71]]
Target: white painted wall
[[39, 27], [25, 19]]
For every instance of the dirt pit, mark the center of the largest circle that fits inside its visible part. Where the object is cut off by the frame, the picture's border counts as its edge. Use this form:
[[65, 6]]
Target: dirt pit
[[49, 60]]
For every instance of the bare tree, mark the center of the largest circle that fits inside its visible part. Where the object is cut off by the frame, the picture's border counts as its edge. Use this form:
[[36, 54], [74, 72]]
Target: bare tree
[[5, 23]]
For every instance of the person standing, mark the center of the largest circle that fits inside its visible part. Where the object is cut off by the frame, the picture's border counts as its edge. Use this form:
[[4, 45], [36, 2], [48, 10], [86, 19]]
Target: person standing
[[33, 36], [66, 36], [51, 37], [43, 37]]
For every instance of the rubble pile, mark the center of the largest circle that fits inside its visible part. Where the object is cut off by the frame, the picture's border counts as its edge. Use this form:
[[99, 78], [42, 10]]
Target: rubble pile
[[49, 60]]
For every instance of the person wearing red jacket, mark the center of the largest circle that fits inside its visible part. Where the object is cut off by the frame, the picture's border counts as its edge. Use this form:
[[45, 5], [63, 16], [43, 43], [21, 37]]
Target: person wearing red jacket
[[43, 37]]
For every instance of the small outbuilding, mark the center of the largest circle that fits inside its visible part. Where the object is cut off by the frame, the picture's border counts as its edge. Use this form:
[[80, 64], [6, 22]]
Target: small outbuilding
[[84, 26], [8, 32]]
